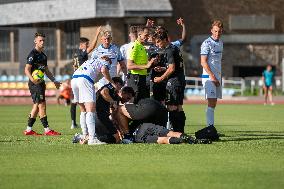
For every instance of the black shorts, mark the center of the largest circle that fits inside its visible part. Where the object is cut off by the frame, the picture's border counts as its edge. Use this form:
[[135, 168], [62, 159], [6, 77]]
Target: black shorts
[[149, 133], [105, 129], [148, 110], [138, 83], [175, 92], [159, 91], [37, 92]]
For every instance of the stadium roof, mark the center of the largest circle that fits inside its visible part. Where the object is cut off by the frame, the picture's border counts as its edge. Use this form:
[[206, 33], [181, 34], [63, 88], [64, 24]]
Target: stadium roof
[[27, 11]]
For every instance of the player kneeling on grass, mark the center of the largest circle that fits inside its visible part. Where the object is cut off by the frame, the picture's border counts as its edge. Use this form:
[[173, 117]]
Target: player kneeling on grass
[[148, 124], [107, 101], [35, 69], [82, 84]]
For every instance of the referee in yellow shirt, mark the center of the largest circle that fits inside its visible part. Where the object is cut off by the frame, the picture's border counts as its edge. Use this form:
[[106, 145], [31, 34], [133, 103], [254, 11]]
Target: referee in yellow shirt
[[137, 65]]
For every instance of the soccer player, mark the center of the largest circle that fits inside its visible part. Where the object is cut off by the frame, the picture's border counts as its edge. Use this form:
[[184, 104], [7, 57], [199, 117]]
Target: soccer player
[[80, 57], [145, 111], [148, 121], [267, 78], [107, 100], [82, 84], [113, 52], [175, 78], [137, 65], [211, 58], [37, 60], [151, 133]]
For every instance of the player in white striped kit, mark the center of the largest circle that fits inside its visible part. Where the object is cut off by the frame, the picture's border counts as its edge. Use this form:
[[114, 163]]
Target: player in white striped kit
[[211, 57], [82, 84], [114, 55]]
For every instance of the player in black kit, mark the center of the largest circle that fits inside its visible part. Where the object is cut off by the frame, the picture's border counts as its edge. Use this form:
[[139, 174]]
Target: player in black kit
[[174, 75], [37, 60], [108, 98]]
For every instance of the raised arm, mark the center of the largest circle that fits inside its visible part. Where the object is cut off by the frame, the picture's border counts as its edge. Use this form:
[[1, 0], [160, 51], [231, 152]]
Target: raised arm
[[94, 43]]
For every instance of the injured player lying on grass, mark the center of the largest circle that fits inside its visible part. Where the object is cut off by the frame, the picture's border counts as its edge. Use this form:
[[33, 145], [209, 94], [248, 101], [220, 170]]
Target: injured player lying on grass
[[145, 122]]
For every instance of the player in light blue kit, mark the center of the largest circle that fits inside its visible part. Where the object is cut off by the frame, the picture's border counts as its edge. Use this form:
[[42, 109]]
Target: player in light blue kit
[[267, 78], [211, 58], [113, 53]]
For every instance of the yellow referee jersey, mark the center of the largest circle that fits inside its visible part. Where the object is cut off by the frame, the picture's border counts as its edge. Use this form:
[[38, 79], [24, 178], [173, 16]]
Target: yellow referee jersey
[[139, 56]]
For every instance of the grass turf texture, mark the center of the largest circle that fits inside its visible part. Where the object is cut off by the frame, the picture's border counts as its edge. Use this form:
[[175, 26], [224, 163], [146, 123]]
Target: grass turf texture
[[251, 155]]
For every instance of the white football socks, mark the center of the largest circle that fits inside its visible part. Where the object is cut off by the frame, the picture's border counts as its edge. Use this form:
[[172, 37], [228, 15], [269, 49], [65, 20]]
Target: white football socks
[[90, 121], [29, 128], [210, 116], [83, 123], [46, 129]]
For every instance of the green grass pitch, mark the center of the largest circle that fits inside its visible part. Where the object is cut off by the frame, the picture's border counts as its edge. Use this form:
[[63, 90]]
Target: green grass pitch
[[251, 155]]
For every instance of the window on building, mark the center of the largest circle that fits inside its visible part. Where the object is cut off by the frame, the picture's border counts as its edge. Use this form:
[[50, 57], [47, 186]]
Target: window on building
[[4, 46], [70, 39], [50, 43]]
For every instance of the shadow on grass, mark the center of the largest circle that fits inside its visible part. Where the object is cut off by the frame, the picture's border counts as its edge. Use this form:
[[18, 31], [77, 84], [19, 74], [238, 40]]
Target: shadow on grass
[[249, 139], [252, 135]]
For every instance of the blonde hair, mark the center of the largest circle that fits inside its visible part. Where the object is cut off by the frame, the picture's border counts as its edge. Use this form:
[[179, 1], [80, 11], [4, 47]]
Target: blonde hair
[[106, 33], [217, 23]]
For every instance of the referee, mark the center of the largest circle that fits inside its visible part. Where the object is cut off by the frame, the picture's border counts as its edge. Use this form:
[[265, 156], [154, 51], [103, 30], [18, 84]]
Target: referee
[[137, 65]]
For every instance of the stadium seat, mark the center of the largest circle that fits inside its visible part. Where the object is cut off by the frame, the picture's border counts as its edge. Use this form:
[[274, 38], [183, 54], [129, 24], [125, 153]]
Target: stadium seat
[[6, 92], [14, 92], [19, 78], [65, 77], [20, 85], [11, 78], [12, 85], [50, 92], [59, 78], [196, 92], [50, 85], [21, 92], [26, 78], [3, 78]]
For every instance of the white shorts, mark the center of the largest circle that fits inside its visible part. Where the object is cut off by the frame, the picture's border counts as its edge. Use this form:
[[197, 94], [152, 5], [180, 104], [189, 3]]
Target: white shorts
[[83, 90], [211, 91]]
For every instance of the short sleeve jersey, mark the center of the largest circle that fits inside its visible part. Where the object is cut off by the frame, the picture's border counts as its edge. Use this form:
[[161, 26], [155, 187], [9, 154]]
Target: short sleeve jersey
[[172, 55], [81, 55], [124, 49], [112, 52], [92, 68], [138, 55], [213, 49], [103, 106], [38, 60], [268, 77]]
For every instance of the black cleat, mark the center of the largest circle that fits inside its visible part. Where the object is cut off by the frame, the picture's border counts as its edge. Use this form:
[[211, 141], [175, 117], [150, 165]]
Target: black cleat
[[203, 141]]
